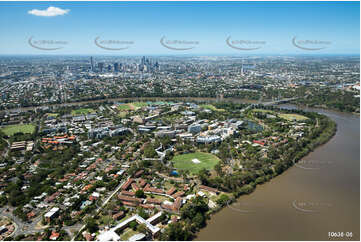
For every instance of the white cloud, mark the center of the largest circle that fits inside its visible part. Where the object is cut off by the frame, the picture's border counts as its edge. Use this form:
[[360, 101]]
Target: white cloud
[[49, 12]]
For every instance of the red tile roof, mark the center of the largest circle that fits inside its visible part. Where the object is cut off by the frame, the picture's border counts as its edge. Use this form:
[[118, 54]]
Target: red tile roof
[[138, 173], [127, 193], [127, 184], [178, 194], [153, 200], [54, 235], [210, 189], [129, 199], [171, 191]]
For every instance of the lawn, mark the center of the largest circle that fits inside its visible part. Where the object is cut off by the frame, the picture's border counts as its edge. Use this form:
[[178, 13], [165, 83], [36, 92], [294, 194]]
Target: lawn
[[131, 106], [53, 115], [123, 107], [23, 128], [139, 104], [82, 111], [293, 116], [122, 114], [262, 111], [127, 234], [185, 161], [211, 107], [161, 198]]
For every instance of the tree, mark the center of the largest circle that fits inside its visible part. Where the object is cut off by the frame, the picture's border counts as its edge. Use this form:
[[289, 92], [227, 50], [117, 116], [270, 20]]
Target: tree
[[176, 232], [91, 225], [223, 200], [218, 169], [142, 228], [203, 176], [133, 225], [195, 211], [199, 220], [150, 152], [143, 213], [140, 194]]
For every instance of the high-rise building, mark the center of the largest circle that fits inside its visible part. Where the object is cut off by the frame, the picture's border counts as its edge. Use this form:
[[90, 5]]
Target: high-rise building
[[156, 66], [92, 63], [116, 67], [142, 62], [109, 68], [100, 66]]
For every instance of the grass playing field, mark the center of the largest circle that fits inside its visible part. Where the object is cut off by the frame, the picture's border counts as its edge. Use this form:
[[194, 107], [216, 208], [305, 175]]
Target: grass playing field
[[190, 161], [23, 128], [131, 106], [139, 104], [293, 116], [82, 111], [53, 114], [211, 107], [123, 107], [262, 110]]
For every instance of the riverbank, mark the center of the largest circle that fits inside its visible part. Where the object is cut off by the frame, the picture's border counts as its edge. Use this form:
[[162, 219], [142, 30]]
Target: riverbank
[[325, 107], [328, 189], [326, 132]]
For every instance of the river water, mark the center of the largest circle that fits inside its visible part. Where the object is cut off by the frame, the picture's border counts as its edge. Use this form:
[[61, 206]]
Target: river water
[[319, 195]]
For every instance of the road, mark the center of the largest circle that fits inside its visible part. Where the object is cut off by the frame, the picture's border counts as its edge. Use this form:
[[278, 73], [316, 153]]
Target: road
[[6, 149], [21, 227], [103, 205]]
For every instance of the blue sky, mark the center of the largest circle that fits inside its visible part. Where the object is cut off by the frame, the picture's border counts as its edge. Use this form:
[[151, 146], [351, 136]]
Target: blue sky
[[207, 25]]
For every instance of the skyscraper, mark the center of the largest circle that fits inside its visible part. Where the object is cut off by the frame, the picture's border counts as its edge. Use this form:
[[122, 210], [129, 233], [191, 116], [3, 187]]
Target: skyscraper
[[116, 67], [100, 66], [91, 63]]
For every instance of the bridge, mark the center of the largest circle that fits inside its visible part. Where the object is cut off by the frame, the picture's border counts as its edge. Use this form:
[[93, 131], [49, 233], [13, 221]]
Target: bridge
[[275, 102], [285, 100]]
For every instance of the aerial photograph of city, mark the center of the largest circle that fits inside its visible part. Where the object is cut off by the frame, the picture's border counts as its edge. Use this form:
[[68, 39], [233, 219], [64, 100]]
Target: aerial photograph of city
[[179, 121]]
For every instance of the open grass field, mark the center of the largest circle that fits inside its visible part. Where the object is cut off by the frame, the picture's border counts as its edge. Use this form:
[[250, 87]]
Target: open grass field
[[82, 111], [122, 114], [131, 106], [139, 104], [293, 116], [262, 111], [53, 114], [23, 128], [211, 107], [123, 107], [194, 162], [128, 232]]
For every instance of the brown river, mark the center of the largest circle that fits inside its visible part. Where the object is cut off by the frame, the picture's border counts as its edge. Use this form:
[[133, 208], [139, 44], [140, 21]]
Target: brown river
[[317, 199]]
